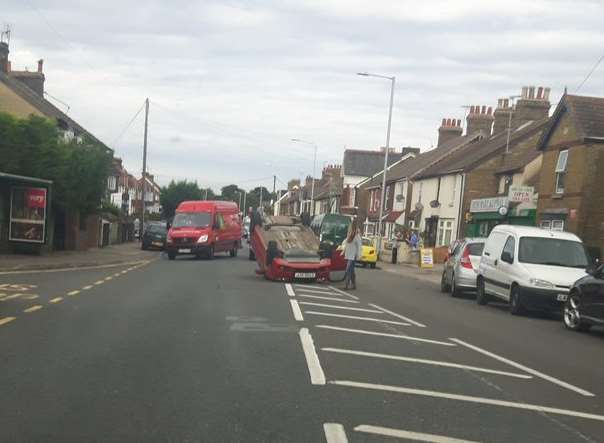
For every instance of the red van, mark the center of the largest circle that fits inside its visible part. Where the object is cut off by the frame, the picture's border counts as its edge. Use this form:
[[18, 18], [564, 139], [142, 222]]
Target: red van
[[204, 228]]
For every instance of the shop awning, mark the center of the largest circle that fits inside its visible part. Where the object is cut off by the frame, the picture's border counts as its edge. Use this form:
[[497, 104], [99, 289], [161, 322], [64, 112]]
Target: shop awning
[[392, 216]]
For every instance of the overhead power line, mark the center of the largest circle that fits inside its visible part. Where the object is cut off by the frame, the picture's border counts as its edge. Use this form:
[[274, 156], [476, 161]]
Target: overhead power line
[[128, 125], [590, 72]]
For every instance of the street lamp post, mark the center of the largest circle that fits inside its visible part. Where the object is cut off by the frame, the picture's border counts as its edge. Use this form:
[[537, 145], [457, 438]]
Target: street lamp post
[[383, 192], [314, 172]]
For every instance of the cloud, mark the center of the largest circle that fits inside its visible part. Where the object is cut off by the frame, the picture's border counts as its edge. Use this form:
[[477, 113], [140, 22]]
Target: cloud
[[231, 82]]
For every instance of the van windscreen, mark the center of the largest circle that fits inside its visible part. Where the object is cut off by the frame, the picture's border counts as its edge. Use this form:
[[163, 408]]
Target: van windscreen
[[192, 220], [552, 251]]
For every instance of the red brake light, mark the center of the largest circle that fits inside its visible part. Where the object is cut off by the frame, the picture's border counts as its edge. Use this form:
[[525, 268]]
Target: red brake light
[[465, 259]]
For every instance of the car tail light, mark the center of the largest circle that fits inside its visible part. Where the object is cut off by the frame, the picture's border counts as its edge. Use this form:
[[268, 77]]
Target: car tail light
[[465, 259]]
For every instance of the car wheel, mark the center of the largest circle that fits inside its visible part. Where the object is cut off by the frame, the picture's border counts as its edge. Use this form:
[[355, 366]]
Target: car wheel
[[372, 265], [171, 255], [444, 287], [455, 292], [572, 316], [481, 295], [516, 307]]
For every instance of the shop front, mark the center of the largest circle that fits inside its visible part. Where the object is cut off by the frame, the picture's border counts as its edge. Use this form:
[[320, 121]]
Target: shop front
[[515, 209], [24, 208]]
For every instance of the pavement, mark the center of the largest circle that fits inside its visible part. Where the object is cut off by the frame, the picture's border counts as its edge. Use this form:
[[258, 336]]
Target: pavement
[[408, 270], [110, 255], [205, 350]]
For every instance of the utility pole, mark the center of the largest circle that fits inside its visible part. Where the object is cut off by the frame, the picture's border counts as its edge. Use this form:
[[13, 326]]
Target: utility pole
[[244, 196], [274, 184], [240, 199], [142, 226], [260, 206]]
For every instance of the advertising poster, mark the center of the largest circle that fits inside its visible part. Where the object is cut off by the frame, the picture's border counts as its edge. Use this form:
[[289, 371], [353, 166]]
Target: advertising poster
[[28, 214]]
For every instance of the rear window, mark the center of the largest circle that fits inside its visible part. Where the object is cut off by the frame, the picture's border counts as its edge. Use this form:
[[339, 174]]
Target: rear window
[[475, 248]]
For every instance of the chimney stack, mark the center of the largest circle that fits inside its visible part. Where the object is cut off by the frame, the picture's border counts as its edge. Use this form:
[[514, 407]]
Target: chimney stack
[[480, 119], [40, 66], [502, 115], [532, 105], [449, 129], [4, 63]]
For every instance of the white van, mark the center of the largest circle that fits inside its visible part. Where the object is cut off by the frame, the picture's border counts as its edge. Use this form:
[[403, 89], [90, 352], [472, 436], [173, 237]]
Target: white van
[[530, 267]]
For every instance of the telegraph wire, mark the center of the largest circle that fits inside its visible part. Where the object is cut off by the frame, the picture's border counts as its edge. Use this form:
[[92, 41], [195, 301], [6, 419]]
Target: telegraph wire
[[590, 72]]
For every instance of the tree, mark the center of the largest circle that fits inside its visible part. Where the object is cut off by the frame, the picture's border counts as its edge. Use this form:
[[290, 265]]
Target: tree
[[253, 197], [78, 169], [176, 192], [230, 193]]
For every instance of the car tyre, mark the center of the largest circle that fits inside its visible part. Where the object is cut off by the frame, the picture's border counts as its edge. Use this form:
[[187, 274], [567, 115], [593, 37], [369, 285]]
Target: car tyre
[[444, 287], [481, 295], [516, 307], [171, 255], [455, 292], [571, 315]]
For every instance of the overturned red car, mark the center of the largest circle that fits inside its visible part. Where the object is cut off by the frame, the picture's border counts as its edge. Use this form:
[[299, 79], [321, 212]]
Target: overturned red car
[[286, 250]]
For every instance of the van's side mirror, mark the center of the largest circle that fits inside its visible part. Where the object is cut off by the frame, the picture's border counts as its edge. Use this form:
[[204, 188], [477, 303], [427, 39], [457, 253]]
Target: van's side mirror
[[507, 257]]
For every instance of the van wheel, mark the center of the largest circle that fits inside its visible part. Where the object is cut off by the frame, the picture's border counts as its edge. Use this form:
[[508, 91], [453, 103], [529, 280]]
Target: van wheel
[[481, 295], [251, 255], [516, 307], [444, 287], [171, 255]]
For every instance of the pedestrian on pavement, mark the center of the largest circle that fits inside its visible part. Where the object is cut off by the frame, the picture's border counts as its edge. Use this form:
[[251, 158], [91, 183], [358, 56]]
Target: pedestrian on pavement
[[352, 252], [414, 240]]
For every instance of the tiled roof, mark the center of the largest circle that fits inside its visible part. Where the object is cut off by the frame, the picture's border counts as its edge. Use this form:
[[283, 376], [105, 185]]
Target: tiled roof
[[365, 163], [586, 112], [43, 105], [474, 153], [412, 166]]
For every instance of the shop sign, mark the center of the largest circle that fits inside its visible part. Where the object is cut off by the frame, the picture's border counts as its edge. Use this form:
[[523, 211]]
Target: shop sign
[[521, 194], [488, 204], [28, 214]]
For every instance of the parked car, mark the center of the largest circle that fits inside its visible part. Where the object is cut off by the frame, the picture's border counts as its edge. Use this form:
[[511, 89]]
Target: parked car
[[204, 228], [461, 268], [368, 253], [584, 307], [154, 236], [530, 268]]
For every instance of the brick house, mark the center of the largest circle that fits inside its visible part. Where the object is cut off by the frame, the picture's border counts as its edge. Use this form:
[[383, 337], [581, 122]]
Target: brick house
[[151, 191], [328, 191], [571, 177], [21, 95]]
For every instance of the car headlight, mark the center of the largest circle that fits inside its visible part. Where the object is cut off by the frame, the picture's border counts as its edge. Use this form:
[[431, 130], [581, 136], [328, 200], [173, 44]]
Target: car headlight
[[541, 283], [202, 238]]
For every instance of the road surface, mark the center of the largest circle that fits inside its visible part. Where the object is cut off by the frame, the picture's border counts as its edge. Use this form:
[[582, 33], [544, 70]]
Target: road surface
[[198, 350]]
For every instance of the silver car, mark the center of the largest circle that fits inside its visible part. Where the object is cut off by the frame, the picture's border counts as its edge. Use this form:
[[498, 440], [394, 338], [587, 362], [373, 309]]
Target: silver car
[[461, 267]]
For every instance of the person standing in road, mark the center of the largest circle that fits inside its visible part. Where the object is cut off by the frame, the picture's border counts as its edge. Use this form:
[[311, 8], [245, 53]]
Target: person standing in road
[[352, 252]]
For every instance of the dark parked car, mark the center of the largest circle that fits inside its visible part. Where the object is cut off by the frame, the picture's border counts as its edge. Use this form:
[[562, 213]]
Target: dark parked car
[[154, 236], [584, 307]]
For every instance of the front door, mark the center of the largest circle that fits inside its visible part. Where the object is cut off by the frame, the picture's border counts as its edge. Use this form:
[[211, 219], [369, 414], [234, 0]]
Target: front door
[[431, 232]]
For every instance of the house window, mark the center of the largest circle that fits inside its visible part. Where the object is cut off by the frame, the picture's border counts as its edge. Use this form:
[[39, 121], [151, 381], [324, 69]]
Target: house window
[[553, 225], [561, 171], [445, 232], [369, 229]]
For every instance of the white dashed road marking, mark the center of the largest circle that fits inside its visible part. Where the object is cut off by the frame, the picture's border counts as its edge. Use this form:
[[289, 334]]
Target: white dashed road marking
[[468, 398], [334, 433], [384, 334], [408, 435], [402, 317], [425, 362], [349, 308], [524, 368], [352, 317], [296, 310], [290, 290], [317, 376]]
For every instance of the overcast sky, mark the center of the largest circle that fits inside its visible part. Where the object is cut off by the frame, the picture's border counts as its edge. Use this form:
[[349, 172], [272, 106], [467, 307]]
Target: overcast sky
[[231, 82]]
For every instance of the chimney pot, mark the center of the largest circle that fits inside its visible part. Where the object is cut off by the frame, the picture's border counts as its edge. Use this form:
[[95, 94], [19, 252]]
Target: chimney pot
[[546, 93], [489, 110], [484, 109], [40, 65], [444, 123], [540, 92], [459, 123], [525, 92], [531, 92]]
